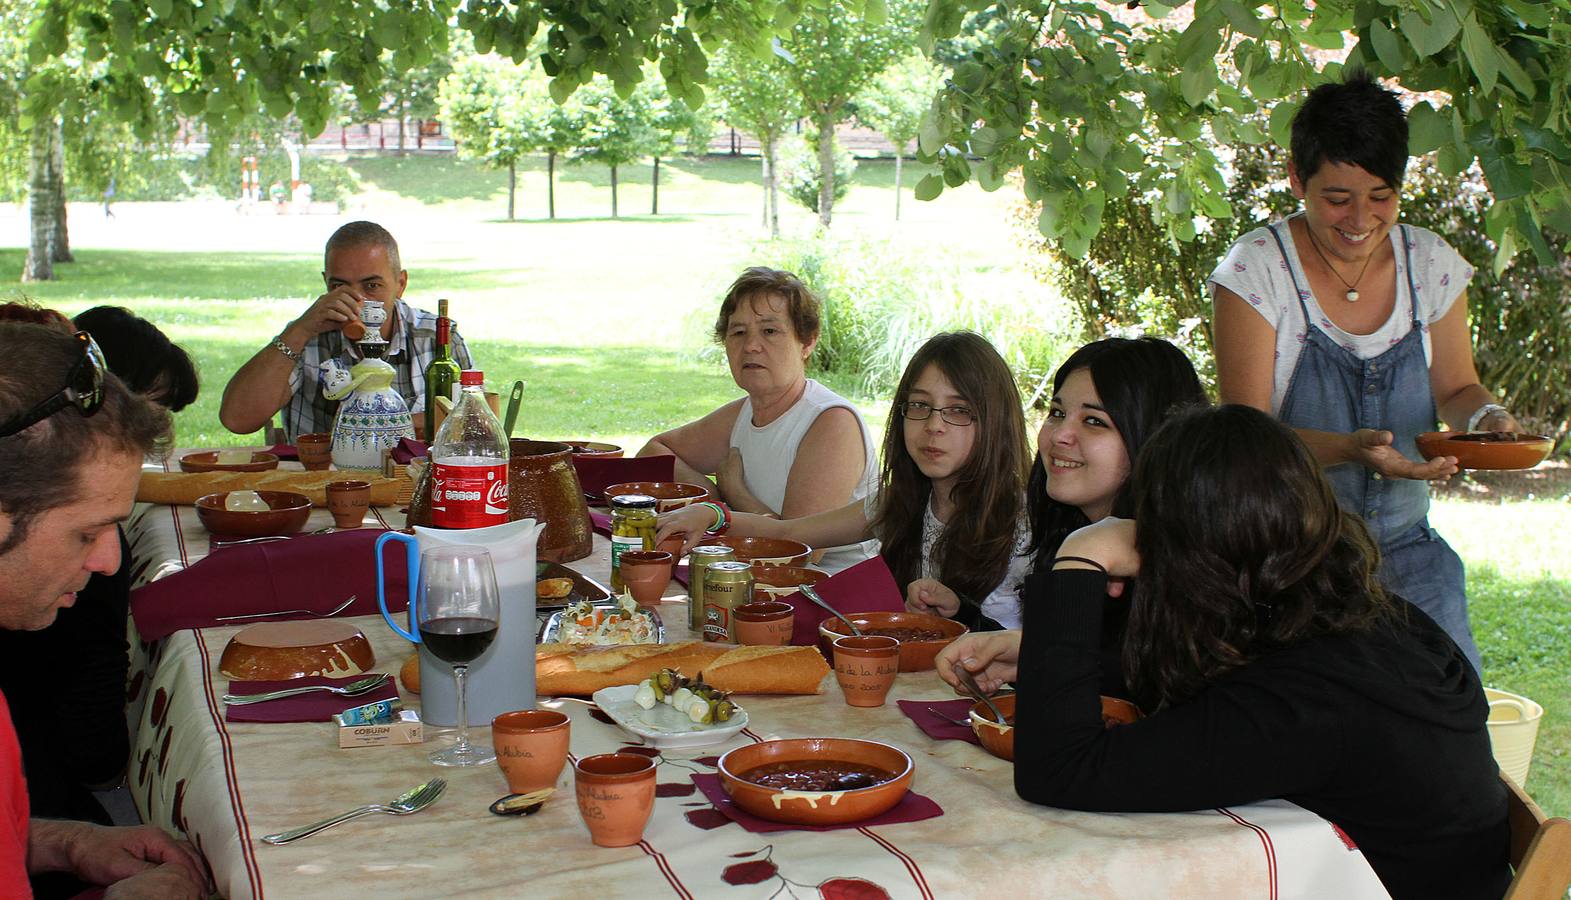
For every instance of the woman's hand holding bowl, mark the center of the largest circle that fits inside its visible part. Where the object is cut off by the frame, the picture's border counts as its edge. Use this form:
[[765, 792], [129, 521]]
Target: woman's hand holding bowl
[[993, 657], [1372, 449]]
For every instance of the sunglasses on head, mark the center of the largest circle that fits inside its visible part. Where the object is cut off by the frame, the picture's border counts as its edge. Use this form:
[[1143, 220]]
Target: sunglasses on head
[[84, 389]]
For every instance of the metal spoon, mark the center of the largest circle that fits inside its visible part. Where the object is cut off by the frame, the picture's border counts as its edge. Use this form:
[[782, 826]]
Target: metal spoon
[[975, 690], [353, 689], [289, 612], [809, 593], [411, 801]]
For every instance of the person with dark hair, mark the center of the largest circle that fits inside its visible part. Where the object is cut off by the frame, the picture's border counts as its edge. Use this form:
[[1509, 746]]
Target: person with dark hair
[[1352, 329], [1267, 657], [360, 263], [791, 447], [72, 441], [949, 505], [144, 358]]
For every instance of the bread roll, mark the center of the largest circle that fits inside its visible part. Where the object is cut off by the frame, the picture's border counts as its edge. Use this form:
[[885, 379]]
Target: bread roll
[[409, 674], [184, 488], [562, 670]]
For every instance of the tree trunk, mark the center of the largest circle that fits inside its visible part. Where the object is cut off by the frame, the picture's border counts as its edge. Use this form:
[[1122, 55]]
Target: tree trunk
[[40, 256], [654, 183], [550, 183], [60, 249], [613, 191], [899, 158], [826, 170], [512, 186], [403, 114], [772, 185]]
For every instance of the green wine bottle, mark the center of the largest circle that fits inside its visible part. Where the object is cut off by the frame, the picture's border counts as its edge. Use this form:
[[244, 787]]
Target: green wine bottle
[[443, 372]]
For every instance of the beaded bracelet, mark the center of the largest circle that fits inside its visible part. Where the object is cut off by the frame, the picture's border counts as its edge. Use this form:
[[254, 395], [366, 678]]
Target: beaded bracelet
[[722, 517], [1079, 559]]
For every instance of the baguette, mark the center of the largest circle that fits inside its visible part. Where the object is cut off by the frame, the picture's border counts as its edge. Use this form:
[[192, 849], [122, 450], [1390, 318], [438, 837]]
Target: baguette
[[562, 670], [184, 488]]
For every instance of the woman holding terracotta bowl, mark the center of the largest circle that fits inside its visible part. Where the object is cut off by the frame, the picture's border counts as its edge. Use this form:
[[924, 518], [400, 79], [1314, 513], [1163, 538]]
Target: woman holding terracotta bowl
[[791, 447], [1269, 659]]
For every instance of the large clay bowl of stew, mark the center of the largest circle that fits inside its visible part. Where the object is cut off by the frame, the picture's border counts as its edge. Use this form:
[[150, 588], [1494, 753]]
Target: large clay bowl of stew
[[999, 740], [1486, 449], [286, 514], [763, 551], [668, 495], [816, 781], [921, 636]]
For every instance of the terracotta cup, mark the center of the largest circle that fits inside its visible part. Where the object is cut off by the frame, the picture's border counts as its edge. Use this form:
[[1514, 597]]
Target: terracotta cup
[[315, 450], [348, 502], [673, 546], [646, 573], [767, 624], [866, 667], [616, 795], [531, 747]]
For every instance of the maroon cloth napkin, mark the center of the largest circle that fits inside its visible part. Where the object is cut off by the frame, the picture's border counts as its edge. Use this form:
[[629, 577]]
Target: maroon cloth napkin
[[868, 586], [283, 451], [682, 575], [933, 717], [409, 450], [913, 807], [600, 522], [316, 571], [596, 473], [317, 706]]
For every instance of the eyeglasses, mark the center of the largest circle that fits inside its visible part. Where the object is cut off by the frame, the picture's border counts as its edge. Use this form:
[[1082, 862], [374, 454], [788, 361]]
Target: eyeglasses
[[917, 411], [84, 389]]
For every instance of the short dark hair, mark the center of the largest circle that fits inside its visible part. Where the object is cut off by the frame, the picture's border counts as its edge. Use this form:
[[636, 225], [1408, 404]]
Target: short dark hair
[[144, 358], [1355, 122], [755, 281], [41, 466], [360, 234]]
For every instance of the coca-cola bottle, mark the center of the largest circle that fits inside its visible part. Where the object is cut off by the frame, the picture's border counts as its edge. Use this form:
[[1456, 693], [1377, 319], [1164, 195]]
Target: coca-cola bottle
[[469, 462]]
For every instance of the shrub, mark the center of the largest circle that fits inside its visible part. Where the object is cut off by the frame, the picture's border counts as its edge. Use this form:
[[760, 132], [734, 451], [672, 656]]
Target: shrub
[[799, 171]]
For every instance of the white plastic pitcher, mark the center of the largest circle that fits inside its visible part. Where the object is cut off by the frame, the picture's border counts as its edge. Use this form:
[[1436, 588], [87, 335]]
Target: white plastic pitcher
[[503, 678], [1513, 730]]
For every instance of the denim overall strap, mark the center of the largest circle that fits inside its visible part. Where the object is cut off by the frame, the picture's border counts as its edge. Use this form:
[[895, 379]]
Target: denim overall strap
[[1332, 389]]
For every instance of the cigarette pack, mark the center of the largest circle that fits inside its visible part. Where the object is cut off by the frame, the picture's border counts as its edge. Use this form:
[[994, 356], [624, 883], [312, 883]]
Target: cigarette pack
[[403, 728]]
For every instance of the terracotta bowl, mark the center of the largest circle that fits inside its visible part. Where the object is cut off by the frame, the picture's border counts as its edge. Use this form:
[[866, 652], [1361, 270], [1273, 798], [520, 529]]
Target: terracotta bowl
[[999, 740], [278, 651], [915, 656], [805, 808], [668, 494], [773, 582], [762, 551], [207, 461], [287, 515], [1482, 450], [594, 448]]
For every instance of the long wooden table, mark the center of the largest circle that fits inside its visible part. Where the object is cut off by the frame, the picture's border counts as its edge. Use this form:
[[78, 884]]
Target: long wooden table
[[227, 784]]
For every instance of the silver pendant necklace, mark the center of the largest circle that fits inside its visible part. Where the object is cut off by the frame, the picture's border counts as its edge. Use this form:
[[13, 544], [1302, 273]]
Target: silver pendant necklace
[[1352, 288]]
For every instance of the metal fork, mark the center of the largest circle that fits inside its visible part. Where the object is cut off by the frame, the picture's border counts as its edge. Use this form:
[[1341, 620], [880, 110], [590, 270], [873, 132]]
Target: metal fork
[[411, 801], [289, 612]]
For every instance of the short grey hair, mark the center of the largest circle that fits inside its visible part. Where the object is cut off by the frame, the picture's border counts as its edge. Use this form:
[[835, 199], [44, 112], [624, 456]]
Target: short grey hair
[[360, 234]]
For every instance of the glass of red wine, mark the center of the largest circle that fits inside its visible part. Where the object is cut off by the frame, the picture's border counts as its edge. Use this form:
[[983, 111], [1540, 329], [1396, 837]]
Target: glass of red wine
[[458, 620]]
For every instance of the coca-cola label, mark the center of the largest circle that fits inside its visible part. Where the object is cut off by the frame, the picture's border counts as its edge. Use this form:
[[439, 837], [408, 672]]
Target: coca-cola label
[[468, 496]]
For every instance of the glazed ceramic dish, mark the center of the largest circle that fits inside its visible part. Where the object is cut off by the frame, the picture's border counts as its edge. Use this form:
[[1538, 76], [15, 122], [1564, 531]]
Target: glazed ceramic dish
[[816, 807], [999, 740], [772, 582], [543, 485], [584, 587], [207, 461], [1486, 449], [915, 655], [278, 651], [594, 448], [668, 495], [763, 551], [286, 514], [664, 727]]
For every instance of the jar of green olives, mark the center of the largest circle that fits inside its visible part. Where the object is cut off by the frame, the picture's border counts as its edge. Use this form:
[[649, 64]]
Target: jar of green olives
[[632, 528]]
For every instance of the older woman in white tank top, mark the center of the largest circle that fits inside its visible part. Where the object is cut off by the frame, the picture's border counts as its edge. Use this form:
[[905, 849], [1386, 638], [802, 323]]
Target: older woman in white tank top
[[791, 447]]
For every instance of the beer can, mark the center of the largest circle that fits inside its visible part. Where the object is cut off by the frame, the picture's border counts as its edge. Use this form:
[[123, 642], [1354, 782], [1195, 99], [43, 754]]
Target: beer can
[[727, 585], [698, 559]]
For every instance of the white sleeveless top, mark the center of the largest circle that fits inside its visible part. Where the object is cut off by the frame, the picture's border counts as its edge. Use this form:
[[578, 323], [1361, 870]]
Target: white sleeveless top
[[769, 452]]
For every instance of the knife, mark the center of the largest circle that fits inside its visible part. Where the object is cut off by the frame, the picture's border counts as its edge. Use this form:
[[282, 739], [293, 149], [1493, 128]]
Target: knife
[[513, 401]]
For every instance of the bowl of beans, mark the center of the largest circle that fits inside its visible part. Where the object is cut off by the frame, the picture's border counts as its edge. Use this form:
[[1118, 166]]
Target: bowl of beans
[[999, 740], [921, 636], [816, 781]]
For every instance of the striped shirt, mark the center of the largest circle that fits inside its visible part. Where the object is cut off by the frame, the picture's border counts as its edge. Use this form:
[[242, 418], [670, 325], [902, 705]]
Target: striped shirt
[[410, 348]]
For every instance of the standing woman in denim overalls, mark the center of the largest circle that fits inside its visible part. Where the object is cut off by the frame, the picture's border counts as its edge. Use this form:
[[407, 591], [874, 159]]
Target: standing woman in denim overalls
[[1353, 329]]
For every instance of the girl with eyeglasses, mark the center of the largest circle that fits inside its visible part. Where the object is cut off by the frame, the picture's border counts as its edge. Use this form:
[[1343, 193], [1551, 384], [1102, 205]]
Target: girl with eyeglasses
[[949, 512]]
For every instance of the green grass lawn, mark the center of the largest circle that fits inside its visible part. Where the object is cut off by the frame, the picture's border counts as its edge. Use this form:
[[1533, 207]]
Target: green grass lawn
[[605, 320]]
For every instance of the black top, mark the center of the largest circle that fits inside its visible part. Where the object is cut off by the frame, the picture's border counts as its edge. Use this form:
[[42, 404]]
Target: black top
[[1381, 733], [67, 688]]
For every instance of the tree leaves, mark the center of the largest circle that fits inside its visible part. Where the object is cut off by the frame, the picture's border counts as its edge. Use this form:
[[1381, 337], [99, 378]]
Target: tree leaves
[[1433, 34]]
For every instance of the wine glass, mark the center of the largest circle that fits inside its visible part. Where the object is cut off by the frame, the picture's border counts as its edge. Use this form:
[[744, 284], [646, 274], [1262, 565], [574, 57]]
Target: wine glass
[[458, 621]]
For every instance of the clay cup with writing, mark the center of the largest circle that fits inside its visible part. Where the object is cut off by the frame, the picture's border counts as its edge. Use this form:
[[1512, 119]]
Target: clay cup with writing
[[866, 667], [348, 502], [531, 747], [767, 624], [616, 795], [315, 450], [646, 573]]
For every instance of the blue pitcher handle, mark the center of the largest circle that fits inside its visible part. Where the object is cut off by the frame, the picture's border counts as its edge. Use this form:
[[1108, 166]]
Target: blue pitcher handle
[[412, 555]]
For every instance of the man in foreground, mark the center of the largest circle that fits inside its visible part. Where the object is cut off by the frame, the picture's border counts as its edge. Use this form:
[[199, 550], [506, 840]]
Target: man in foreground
[[72, 440], [361, 263]]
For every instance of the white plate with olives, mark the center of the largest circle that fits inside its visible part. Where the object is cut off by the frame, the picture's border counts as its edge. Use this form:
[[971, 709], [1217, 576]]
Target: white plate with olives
[[663, 726]]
